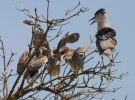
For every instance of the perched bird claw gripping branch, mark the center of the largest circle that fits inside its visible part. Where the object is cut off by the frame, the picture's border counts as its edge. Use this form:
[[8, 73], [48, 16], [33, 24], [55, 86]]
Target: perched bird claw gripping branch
[[106, 36]]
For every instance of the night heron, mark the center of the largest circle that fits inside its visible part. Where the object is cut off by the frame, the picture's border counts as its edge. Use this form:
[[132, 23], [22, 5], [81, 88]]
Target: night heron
[[32, 70], [53, 65], [74, 57], [38, 37], [106, 36]]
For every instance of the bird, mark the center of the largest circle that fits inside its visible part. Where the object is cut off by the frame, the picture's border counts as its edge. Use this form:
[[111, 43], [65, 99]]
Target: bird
[[32, 70], [37, 39], [68, 38], [106, 39], [53, 65], [22, 62], [74, 57]]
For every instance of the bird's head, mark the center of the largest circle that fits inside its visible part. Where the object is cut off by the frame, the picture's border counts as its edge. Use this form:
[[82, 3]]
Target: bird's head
[[98, 14]]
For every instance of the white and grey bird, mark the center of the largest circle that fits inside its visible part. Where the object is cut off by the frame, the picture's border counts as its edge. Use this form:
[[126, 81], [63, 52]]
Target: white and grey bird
[[74, 57], [106, 36], [33, 67]]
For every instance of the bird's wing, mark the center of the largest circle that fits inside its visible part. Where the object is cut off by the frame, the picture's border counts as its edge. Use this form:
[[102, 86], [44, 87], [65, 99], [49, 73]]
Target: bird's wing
[[30, 22], [82, 49], [38, 62], [71, 38], [68, 38], [30, 73], [22, 61], [66, 52]]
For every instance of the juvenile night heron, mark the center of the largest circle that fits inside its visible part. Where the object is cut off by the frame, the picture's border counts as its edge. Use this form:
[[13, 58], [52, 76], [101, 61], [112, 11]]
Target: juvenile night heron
[[53, 65], [37, 39], [74, 57], [106, 36], [33, 67]]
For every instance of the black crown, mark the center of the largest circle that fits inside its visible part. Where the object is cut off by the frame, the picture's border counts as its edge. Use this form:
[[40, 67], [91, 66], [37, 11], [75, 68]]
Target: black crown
[[102, 10]]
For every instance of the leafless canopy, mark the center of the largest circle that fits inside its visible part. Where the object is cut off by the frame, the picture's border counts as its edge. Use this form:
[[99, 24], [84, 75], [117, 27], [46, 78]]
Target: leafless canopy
[[69, 85]]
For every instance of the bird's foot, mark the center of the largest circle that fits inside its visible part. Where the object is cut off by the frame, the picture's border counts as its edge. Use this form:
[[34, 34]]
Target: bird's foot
[[33, 88], [52, 84], [104, 67], [60, 78], [112, 62]]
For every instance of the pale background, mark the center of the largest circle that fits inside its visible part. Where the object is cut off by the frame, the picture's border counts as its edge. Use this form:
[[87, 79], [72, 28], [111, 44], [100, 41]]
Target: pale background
[[16, 35]]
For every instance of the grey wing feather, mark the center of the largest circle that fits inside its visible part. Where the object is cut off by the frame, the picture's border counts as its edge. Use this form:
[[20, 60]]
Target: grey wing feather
[[105, 44], [22, 61], [100, 50], [82, 49]]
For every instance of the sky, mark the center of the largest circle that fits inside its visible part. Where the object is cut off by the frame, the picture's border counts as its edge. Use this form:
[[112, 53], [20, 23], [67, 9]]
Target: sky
[[16, 35]]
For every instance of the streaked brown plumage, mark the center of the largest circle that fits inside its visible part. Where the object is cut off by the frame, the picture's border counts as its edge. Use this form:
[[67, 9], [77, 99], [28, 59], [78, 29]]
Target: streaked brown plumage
[[68, 38], [53, 64], [37, 38], [74, 57], [33, 67], [22, 61], [30, 22]]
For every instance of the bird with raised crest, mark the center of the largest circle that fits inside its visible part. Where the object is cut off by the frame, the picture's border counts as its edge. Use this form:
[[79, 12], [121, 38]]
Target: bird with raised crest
[[106, 36]]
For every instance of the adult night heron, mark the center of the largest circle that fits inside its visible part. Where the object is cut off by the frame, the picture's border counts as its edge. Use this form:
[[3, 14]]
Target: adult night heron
[[106, 36]]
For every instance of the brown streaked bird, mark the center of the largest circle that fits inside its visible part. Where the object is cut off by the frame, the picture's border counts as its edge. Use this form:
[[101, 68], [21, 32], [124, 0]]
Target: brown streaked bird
[[74, 57], [106, 36], [53, 65], [22, 62], [33, 67], [68, 38], [37, 38]]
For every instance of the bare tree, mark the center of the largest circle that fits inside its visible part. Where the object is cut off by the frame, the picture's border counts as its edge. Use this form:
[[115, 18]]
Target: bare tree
[[71, 83]]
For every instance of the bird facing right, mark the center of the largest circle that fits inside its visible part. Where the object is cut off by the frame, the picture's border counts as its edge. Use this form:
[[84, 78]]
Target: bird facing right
[[106, 36]]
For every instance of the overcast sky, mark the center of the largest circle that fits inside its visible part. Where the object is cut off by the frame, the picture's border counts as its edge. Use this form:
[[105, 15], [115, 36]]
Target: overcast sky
[[16, 35]]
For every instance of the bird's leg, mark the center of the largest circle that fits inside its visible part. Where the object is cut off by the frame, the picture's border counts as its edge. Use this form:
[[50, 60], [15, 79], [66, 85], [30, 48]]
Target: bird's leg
[[30, 83], [51, 80], [58, 82], [103, 62], [84, 81], [111, 61]]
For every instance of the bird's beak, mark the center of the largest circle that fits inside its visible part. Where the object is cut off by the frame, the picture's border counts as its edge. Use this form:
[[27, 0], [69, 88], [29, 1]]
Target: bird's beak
[[92, 19]]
